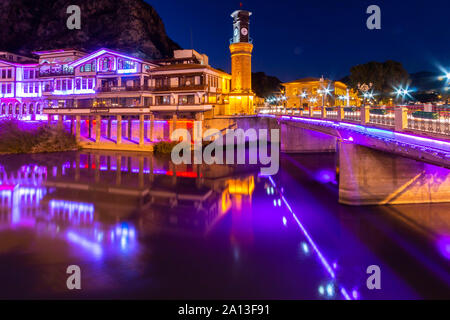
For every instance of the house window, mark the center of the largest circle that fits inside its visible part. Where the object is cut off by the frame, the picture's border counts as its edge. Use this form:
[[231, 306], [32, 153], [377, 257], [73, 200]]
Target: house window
[[90, 83], [9, 73], [84, 82], [36, 87], [3, 74], [186, 99], [58, 84], [78, 84], [160, 100], [9, 88]]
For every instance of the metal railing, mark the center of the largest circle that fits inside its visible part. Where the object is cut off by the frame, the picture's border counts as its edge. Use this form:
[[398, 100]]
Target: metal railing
[[435, 122], [383, 116]]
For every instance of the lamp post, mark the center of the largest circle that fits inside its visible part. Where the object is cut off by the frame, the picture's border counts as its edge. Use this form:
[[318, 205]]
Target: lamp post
[[364, 88]]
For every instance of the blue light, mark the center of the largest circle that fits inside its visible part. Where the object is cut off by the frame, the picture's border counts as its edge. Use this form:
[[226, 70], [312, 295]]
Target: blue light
[[321, 290], [330, 290]]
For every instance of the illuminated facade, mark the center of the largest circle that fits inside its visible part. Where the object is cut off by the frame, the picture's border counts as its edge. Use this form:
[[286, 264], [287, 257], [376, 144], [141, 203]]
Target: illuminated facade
[[185, 86], [241, 95], [315, 92], [105, 78]]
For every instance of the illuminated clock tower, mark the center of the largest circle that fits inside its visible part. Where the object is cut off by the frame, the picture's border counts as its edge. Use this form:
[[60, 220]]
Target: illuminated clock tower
[[241, 95]]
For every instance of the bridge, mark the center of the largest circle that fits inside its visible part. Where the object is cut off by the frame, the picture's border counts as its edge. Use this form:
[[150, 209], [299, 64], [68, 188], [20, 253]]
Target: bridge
[[394, 155], [384, 156]]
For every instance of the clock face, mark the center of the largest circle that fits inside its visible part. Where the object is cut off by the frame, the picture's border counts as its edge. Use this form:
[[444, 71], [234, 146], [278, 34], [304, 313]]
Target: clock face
[[244, 31]]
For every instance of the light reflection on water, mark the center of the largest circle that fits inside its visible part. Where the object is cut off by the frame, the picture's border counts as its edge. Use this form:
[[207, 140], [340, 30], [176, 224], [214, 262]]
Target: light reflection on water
[[139, 226]]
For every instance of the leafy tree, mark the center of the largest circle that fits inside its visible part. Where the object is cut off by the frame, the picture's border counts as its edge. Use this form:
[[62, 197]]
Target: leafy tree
[[384, 77], [263, 85]]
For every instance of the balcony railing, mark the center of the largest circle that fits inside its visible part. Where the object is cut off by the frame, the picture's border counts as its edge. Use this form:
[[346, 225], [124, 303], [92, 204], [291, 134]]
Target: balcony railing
[[152, 88], [53, 73]]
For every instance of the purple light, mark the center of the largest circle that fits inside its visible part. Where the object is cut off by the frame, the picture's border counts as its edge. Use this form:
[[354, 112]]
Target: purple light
[[444, 246], [308, 237]]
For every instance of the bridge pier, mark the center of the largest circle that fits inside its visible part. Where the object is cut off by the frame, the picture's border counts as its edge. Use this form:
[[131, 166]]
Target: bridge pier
[[299, 140], [119, 130], [371, 177], [98, 129], [77, 127]]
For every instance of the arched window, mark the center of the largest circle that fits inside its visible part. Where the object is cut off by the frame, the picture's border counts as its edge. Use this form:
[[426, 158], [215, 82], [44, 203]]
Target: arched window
[[10, 108], [3, 110], [24, 109], [31, 108], [38, 108], [17, 107]]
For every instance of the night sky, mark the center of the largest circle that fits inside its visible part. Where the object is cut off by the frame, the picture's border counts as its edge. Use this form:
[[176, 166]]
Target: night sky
[[296, 38]]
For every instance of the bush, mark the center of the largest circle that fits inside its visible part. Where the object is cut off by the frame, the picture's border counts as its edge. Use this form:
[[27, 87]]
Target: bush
[[164, 147], [14, 139], [378, 111], [426, 115]]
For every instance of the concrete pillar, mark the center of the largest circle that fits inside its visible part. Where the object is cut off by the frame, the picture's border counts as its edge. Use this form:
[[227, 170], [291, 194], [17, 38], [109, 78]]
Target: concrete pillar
[[119, 129], [151, 126], [98, 129], [71, 124], [130, 128], [311, 111], [78, 128], [173, 125], [323, 112], [371, 177], [299, 140], [89, 122], [365, 115], [109, 127], [340, 113], [141, 129], [401, 118]]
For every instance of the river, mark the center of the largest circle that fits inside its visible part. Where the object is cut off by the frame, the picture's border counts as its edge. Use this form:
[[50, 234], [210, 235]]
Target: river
[[139, 227]]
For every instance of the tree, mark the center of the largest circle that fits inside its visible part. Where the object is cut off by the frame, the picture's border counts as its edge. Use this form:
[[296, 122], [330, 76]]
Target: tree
[[263, 85], [384, 76]]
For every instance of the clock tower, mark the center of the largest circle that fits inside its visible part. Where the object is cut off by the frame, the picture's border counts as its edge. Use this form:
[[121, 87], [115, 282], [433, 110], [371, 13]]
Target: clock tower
[[241, 95]]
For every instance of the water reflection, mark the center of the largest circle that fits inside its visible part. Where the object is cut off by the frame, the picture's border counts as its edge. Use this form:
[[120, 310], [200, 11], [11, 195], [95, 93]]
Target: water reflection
[[140, 226]]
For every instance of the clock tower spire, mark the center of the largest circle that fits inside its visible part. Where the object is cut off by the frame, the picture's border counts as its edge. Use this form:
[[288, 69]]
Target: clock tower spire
[[241, 95]]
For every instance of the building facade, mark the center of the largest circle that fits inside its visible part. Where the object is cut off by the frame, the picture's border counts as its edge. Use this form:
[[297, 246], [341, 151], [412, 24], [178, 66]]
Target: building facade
[[105, 78], [316, 92], [185, 85]]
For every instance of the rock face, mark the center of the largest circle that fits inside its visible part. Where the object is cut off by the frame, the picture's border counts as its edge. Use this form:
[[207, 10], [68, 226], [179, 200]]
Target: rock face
[[132, 26]]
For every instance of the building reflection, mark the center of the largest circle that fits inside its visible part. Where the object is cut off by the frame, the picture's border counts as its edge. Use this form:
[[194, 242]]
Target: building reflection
[[105, 200]]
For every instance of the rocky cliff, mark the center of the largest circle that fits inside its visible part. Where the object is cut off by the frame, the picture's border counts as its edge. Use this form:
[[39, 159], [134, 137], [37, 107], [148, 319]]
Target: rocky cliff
[[132, 26]]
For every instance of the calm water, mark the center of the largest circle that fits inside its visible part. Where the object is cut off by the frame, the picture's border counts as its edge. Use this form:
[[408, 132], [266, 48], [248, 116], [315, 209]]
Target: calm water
[[141, 228]]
